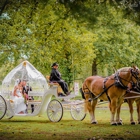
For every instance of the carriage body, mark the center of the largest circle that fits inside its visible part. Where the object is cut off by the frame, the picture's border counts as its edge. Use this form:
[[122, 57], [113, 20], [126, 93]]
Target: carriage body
[[34, 79]]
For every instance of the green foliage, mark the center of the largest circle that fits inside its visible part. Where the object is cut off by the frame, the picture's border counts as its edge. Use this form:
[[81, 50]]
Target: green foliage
[[72, 33]]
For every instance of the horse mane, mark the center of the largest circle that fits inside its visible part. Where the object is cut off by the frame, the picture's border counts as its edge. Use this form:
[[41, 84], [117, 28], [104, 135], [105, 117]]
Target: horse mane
[[124, 69]]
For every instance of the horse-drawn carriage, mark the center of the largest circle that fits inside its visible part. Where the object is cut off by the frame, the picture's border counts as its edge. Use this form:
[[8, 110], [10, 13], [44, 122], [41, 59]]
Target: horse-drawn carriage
[[41, 93], [112, 89]]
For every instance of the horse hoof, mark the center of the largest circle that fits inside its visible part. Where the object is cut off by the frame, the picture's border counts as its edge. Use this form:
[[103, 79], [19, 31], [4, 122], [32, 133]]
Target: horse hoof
[[133, 123], [119, 123], [121, 120], [114, 124], [89, 99], [94, 123]]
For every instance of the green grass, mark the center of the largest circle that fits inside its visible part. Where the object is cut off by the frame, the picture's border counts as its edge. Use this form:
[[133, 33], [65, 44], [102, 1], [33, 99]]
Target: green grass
[[40, 128]]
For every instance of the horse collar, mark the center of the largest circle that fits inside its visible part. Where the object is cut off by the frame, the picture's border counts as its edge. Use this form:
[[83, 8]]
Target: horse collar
[[118, 81]]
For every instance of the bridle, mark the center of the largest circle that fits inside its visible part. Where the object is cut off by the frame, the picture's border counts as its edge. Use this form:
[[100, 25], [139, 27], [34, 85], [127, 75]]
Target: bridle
[[137, 86], [135, 73], [118, 78]]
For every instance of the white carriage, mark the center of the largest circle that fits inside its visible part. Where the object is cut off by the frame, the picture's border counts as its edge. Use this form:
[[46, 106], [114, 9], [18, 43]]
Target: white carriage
[[42, 93]]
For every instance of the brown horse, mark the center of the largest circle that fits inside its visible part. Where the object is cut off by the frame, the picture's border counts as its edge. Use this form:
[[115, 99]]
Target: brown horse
[[132, 97], [112, 88]]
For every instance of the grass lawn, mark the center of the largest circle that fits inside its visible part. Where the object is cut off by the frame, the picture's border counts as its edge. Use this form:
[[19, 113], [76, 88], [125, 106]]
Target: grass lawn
[[40, 128]]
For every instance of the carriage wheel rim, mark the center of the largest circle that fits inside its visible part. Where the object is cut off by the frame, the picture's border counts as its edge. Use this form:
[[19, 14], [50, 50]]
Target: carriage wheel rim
[[3, 107], [77, 112], [8, 114], [10, 111], [55, 111]]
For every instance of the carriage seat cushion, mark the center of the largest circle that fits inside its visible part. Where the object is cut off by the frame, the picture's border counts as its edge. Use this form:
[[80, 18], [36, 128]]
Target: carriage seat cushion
[[48, 80]]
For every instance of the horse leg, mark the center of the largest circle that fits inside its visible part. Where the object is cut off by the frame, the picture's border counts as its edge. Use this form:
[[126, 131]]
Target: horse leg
[[118, 119], [90, 107], [93, 103], [131, 110], [138, 110], [113, 107]]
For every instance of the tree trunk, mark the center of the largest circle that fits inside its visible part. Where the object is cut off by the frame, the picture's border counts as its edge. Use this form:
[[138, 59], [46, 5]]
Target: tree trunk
[[94, 67], [3, 4]]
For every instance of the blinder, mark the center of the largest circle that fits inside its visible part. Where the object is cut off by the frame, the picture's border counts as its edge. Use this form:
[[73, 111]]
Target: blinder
[[118, 81], [135, 73]]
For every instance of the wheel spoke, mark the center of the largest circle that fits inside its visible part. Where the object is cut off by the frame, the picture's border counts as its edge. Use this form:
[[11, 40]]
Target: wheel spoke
[[55, 111], [77, 112]]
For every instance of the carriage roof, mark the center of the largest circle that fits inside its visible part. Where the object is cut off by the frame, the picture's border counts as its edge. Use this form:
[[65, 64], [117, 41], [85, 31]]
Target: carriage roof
[[26, 72]]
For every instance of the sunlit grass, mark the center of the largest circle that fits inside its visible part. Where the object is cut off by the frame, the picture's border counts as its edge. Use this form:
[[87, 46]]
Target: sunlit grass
[[40, 128]]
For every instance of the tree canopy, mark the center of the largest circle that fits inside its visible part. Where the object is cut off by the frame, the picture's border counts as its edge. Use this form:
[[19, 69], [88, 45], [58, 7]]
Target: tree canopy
[[84, 37]]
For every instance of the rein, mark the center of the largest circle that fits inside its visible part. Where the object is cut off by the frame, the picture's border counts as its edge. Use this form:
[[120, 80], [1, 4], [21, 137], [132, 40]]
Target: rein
[[105, 91]]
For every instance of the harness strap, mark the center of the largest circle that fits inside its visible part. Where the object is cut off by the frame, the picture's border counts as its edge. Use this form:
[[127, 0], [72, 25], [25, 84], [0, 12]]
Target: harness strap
[[118, 81], [86, 92], [105, 82], [89, 92], [105, 90], [105, 87], [108, 97]]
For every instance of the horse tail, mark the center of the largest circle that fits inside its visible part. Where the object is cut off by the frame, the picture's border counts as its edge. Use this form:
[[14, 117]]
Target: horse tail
[[82, 93], [87, 104]]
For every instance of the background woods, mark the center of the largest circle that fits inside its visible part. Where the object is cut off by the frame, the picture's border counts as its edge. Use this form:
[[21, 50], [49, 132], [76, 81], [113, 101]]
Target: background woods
[[85, 37]]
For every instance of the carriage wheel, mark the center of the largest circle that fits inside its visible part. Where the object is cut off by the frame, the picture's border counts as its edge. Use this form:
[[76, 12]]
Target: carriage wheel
[[3, 107], [9, 114], [55, 111], [77, 112]]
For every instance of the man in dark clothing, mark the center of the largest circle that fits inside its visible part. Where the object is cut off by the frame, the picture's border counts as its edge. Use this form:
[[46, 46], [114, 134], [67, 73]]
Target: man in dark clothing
[[55, 76], [25, 90]]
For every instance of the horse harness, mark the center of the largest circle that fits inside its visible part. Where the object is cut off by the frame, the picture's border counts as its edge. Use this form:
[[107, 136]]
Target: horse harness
[[93, 97], [117, 83]]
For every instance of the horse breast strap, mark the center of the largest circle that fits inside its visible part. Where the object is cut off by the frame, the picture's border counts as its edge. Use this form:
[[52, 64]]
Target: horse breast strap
[[105, 89], [104, 82]]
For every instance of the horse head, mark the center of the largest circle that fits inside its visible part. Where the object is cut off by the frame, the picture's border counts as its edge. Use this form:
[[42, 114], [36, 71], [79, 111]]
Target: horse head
[[135, 71], [127, 74], [136, 75]]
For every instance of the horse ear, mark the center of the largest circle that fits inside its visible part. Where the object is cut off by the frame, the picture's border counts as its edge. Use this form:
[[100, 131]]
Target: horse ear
[[114, 69], [135, 67]]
